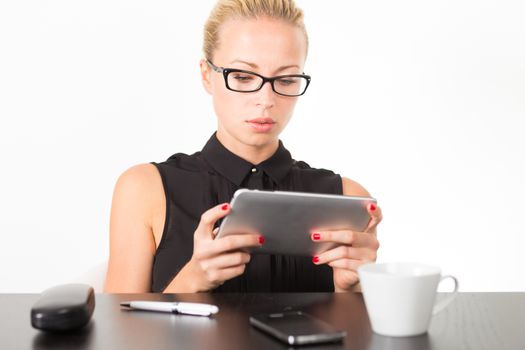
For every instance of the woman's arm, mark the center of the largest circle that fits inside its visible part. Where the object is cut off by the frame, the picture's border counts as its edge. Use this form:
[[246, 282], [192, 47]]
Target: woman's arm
[[138, 200], [354, 249], [137, 222], [352, 188]]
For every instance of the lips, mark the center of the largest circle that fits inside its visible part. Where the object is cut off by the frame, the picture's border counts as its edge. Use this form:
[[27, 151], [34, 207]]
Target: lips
[[261, 125], [262, 121]]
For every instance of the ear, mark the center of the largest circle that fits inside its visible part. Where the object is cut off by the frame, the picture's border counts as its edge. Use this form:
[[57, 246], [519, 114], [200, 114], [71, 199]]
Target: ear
[[205, 75]]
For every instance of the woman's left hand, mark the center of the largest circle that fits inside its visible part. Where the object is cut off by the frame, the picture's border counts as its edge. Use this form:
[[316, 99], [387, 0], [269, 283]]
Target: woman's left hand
[[355, 249]]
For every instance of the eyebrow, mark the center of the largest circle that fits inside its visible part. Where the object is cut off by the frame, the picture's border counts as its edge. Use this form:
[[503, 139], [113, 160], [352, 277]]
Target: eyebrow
[[253, 65]]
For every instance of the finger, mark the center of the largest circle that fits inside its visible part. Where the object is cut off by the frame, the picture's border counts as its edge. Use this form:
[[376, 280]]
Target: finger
[[218, 277], [344, 252], [214, 232], [376, 215], [357, 239], [225, 261], [209, 218], [346, 264], [235, 242]]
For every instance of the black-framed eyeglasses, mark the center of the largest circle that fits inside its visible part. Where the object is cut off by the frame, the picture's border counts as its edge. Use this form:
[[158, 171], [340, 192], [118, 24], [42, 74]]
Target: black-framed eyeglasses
[[240, 80]]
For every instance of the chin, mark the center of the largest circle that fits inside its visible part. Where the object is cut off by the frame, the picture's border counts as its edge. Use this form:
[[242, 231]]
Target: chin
[[259, 140]]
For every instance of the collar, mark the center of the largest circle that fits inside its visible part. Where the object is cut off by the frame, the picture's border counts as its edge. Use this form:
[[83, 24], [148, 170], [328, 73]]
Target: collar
[[235, 169]]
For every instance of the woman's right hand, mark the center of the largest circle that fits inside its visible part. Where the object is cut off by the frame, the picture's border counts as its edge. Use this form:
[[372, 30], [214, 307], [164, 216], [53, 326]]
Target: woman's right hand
[[215, 261]]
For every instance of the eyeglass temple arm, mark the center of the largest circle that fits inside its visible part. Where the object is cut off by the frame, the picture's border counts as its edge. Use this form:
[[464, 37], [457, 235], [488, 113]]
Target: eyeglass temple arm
[[214, 67]]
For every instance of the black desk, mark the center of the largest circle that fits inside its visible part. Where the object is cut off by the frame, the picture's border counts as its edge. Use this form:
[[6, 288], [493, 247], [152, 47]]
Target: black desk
[[474, 321]]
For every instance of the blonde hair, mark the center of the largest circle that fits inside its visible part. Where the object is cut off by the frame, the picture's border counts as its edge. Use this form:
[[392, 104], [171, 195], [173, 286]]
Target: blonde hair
[[224, 10]]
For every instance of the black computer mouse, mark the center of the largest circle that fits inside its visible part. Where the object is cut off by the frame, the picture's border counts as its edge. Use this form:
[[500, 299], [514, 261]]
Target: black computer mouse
[[63, 308]]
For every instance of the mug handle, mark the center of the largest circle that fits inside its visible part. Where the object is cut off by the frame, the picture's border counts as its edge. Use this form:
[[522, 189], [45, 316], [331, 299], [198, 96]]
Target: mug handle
[[444, 303]]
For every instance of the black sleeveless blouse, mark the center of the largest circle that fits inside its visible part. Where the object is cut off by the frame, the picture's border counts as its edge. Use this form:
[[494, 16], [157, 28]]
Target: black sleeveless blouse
[[194, 183]]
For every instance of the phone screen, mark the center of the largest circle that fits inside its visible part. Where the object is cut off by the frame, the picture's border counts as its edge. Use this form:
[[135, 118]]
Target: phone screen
[[297, 327]]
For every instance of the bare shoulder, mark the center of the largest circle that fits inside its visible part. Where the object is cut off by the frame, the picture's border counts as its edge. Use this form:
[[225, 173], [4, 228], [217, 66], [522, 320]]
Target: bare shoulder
[[352, 188], [139, 177], [139, 194]]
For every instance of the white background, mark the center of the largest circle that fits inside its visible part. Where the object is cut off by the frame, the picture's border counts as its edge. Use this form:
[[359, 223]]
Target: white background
[[422, 102]]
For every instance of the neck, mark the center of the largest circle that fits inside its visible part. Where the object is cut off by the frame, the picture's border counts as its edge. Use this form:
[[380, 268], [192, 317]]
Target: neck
[[253, 153]]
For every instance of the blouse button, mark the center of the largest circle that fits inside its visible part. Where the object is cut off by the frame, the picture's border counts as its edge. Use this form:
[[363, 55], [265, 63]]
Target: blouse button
[[254, 170]]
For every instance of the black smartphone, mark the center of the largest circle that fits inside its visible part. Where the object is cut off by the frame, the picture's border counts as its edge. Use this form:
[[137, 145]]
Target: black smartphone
[[296, 328]]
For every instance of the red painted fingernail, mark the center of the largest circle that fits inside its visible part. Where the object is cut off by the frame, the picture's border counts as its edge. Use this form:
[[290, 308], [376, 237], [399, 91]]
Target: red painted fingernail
[[315, 259], [372, 207], [224, 207], [316, 236], [261, 239]]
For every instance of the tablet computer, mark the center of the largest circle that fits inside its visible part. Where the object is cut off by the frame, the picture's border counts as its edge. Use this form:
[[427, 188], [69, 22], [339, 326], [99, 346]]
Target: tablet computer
[[286, 219]]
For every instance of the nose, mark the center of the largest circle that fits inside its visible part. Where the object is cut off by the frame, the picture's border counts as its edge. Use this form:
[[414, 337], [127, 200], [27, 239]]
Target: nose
[[266, 96]]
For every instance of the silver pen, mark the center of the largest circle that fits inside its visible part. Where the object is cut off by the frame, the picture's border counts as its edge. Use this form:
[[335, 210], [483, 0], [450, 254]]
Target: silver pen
[[196, 309]]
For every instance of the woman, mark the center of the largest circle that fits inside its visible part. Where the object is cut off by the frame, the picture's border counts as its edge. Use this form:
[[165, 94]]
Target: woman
[[164, 216]]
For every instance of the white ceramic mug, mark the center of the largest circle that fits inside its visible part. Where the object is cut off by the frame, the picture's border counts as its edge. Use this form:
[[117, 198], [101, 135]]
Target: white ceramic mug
[[400, 297]]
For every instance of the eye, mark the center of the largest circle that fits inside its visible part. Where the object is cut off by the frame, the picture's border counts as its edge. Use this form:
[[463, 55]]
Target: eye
[[288, 81], [243, 77]]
